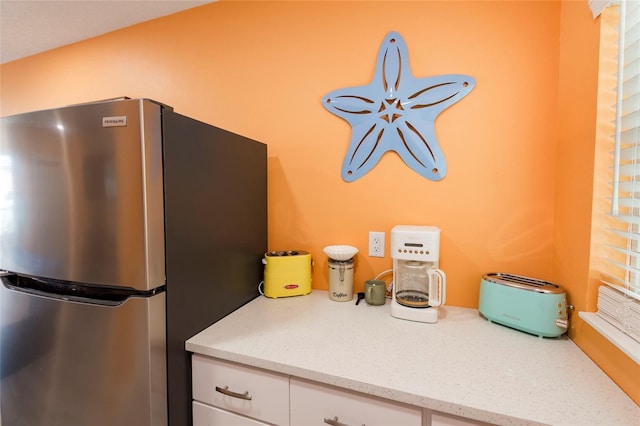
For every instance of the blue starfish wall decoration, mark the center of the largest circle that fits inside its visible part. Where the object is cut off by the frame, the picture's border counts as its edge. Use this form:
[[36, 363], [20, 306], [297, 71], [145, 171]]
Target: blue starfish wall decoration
[[396, 112]]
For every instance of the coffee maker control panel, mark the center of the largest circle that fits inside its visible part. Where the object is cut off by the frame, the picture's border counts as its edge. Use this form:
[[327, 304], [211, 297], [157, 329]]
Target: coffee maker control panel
[[415, 243]]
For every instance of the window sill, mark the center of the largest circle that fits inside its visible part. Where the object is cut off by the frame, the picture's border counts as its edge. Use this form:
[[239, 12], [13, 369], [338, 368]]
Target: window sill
[[625, 343]]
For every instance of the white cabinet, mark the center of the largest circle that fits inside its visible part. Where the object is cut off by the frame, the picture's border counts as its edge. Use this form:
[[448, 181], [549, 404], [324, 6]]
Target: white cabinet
[[316, 404], [248, 391], [231, 394], [442, 419], [205, 415]]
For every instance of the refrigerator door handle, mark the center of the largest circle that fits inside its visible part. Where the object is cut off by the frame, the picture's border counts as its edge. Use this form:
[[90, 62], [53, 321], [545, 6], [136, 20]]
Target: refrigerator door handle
[[71, 291]]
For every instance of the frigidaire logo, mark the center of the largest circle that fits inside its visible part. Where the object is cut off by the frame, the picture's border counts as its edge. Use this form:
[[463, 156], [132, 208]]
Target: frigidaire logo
[[120, 121]]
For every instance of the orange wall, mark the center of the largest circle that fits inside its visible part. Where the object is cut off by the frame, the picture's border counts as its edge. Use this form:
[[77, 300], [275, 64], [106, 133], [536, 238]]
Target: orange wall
[[577, 105], [261, 68]]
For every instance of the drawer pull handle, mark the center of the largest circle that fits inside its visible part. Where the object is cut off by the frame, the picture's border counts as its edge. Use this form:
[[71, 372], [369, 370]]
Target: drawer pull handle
[[225, 390], [335, 422]]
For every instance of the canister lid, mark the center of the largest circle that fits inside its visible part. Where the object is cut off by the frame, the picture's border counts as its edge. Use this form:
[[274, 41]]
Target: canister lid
[[340, 262]]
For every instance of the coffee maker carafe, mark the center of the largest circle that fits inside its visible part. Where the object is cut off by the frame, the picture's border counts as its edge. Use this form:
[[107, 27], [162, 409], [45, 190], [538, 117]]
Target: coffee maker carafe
[[419, 287]]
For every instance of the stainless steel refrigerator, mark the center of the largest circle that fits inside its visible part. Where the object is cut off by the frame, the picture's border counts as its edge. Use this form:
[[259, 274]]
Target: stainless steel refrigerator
[[125, 229]]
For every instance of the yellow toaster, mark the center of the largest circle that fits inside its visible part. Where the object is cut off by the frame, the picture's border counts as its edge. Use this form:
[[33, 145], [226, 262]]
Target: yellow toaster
[[287, 273]]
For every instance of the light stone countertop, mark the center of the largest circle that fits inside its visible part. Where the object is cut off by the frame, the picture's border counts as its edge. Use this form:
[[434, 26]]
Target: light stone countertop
[[462, 365]]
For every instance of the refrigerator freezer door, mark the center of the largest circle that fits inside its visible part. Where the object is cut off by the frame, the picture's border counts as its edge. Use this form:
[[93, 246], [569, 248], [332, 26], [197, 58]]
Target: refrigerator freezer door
[[81, 198], [73, 364]]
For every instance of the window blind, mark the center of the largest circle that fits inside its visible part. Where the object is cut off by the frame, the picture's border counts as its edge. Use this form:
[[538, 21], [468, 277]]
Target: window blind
[[620, 304]]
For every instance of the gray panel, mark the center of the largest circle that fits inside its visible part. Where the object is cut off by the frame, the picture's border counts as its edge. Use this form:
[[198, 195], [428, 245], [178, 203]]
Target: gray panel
[[74, 364], [216, 236], [84, 201]]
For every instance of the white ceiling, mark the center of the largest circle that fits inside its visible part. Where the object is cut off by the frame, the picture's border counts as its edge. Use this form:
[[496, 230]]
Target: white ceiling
[[28, 27]]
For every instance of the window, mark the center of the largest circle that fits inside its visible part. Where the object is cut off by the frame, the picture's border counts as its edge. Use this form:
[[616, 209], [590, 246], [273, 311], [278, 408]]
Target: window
[[617, 237]]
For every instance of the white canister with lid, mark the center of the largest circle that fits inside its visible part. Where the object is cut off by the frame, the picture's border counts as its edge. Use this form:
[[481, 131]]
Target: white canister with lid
[[341, 280]]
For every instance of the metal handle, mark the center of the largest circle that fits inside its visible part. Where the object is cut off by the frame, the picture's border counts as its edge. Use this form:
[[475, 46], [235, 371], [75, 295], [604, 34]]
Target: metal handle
[[225, 390], [335, 422]]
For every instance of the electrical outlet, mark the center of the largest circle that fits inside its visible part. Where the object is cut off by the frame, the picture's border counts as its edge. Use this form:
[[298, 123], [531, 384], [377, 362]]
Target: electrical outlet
[[376, 244]]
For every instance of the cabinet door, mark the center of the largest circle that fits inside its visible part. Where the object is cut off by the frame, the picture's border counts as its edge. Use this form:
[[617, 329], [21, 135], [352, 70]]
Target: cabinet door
[[204, 415], [252, 392], [315, 404]]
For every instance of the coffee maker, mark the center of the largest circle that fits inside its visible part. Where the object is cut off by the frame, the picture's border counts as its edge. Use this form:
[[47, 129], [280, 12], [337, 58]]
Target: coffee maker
[[419, 287]]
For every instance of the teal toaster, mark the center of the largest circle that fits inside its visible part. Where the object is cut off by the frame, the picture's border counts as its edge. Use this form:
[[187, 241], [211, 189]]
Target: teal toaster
[[527, 304]]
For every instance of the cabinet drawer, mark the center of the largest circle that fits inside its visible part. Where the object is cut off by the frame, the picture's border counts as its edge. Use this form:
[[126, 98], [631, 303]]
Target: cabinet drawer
[[205, 415], [312, 403], [224, 384]]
